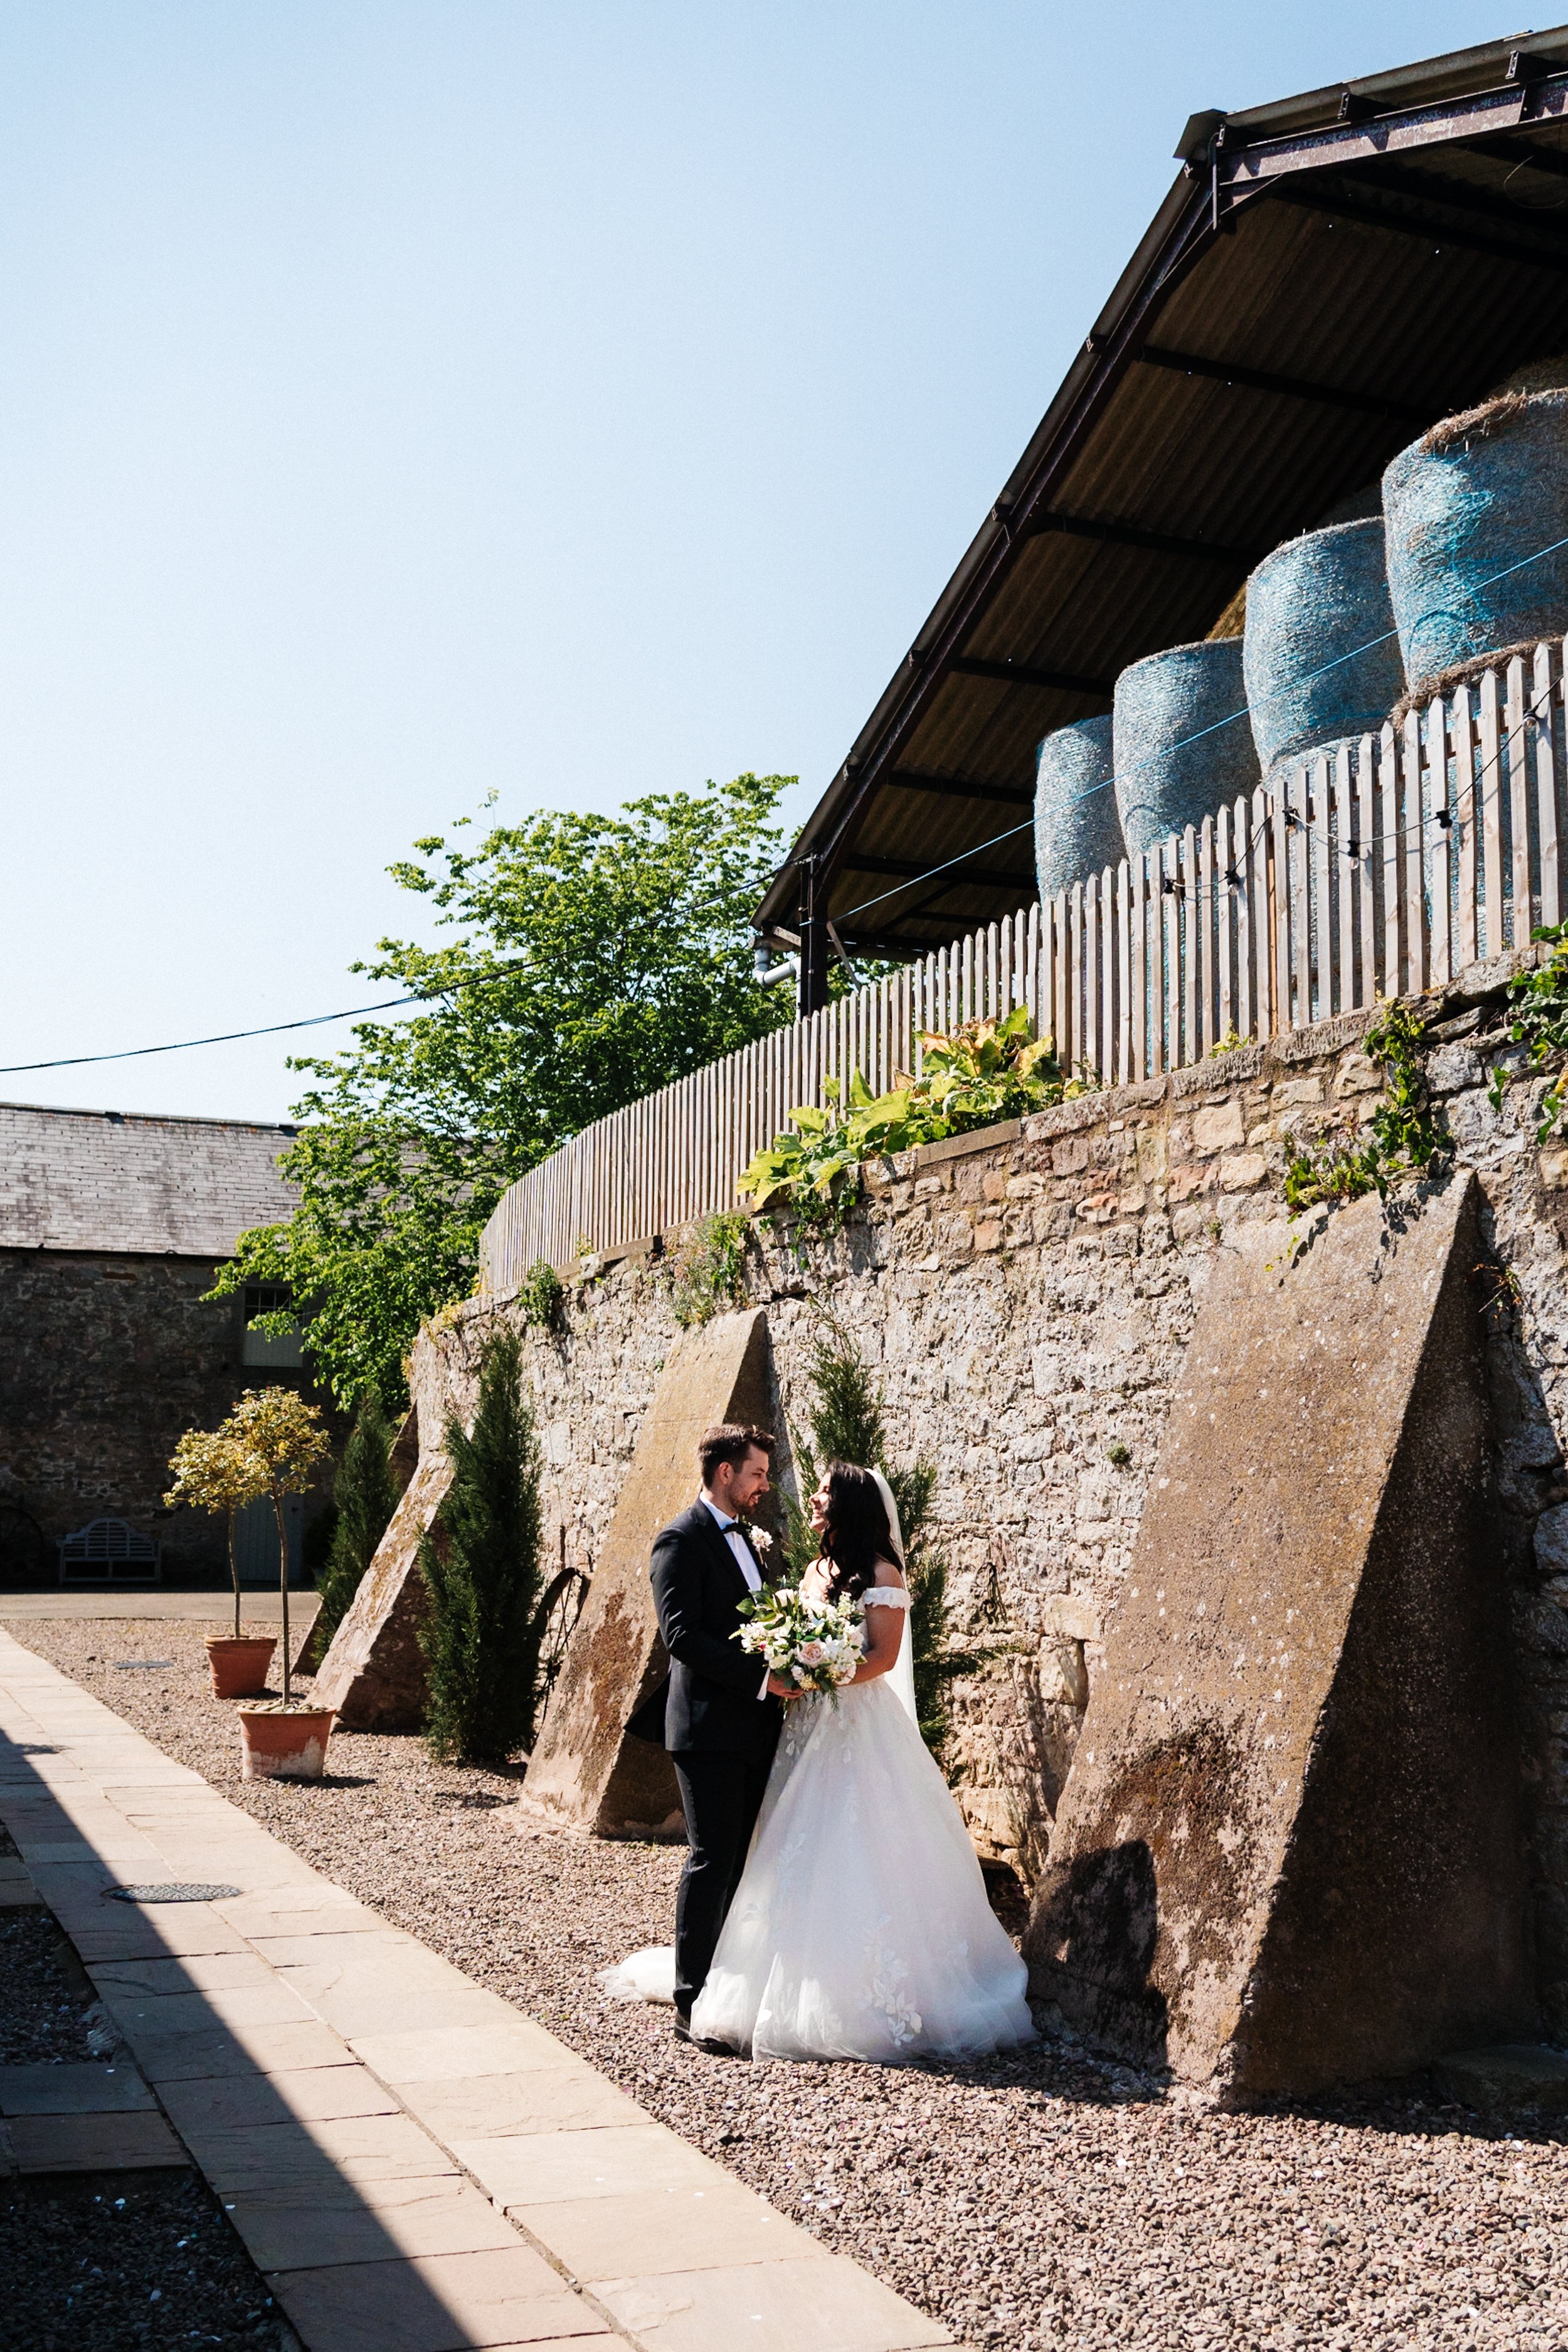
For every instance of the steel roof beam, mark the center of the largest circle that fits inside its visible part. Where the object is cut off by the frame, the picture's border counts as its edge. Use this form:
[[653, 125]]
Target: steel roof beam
[[1289, 387], [962, 787], [911, 869], [1473, 117], [1012, 673], [1316, 199], [1154, 542], [1505, 150], [1452, 195]]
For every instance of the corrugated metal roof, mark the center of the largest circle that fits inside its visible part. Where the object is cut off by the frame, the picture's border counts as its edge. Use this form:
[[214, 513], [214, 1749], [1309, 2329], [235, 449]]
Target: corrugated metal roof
[[1362, 278], [85, 1179]]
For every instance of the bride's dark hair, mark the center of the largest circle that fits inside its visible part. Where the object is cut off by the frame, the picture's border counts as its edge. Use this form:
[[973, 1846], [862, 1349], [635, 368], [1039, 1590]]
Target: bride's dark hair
[[857, 1534]]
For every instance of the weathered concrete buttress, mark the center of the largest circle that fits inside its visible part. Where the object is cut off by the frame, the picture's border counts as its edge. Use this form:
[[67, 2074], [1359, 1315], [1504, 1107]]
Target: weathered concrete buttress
[[586, 1770], [374, 1673], [1289, 1852]]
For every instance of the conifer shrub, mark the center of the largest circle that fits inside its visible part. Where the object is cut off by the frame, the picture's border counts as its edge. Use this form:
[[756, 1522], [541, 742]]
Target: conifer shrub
[[482, 1567], [847, 1424], [364, 1496]]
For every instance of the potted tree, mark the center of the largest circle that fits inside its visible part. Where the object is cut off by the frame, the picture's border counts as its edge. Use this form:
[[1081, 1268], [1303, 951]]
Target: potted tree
[[216, 1472], [286, 1738]]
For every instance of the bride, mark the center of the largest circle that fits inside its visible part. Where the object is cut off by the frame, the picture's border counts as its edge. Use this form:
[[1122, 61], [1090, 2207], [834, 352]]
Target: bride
[[861, 1927]]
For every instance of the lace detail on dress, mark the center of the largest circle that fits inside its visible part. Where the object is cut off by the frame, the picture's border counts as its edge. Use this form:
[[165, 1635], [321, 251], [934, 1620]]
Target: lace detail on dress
[[885, 1996], [885, 1596]]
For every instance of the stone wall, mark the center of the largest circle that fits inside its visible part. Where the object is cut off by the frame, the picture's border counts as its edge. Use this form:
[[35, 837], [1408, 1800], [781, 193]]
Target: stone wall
[[1027, 1297], [104, 1360]]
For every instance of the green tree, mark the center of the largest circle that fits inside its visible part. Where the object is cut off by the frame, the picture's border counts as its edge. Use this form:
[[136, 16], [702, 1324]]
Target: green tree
[[365, 1494], [285, 1435], [593, 961], [214, 1473], [846, 1419], [482, 1633]]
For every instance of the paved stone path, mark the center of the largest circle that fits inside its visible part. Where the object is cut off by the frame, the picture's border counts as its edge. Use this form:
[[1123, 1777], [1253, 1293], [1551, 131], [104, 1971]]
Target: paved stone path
[[413, 2164], [259, 1606]]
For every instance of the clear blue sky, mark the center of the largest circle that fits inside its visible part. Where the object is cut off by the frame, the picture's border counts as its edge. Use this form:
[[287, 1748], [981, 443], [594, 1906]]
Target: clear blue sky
[[407, 403]]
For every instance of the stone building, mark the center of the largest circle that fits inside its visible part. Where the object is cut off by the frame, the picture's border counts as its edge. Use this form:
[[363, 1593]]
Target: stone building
[[112, 1227]]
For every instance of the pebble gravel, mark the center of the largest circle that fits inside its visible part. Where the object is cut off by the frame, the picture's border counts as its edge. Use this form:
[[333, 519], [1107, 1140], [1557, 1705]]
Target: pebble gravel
[[129, 2261], [1042, 2198], [43, 2020]]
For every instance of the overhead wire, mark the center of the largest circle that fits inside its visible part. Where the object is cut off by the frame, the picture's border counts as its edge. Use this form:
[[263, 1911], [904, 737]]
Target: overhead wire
[[426, 996], [274, 1029]]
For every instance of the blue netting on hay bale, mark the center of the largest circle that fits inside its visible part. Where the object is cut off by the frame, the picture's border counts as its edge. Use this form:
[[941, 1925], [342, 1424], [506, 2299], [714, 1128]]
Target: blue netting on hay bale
[[1164, 780], [1313, 602], [1481, 500], [1077, 831]]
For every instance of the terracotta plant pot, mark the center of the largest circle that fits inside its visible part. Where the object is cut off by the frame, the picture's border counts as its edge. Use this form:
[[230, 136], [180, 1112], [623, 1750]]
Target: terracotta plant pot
[[240, 1663], [279, 1743]]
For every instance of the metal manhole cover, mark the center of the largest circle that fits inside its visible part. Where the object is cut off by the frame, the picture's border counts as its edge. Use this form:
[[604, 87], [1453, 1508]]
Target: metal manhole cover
[[170, 1891], [140, 1665]]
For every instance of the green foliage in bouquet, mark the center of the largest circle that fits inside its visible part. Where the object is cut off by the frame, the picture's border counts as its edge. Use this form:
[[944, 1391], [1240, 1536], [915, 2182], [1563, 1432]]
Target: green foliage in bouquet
[[986, 1071], [847, 1424]]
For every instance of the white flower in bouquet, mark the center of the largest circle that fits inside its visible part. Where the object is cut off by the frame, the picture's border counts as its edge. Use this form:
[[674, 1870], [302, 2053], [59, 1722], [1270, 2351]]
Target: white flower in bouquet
[[813, 1643]]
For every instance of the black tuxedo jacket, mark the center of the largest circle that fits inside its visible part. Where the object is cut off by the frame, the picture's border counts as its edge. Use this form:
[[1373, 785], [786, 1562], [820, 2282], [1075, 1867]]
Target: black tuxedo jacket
[[709, 1705]]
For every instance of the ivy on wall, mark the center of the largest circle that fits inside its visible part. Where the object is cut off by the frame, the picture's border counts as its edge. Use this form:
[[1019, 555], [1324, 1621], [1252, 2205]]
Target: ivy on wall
[[1404, 1138], [984, 1072], [1539, 1006], [708, 1271]]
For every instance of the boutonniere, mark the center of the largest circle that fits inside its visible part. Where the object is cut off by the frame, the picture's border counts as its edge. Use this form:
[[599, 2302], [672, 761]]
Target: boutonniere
[[761, 1539]]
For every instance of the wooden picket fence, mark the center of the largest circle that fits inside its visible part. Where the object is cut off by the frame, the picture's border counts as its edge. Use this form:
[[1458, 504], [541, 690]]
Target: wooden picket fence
[[1383, 872]]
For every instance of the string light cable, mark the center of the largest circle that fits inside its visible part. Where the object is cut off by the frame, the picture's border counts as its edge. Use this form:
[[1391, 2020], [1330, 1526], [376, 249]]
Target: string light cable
[[1538, 555]]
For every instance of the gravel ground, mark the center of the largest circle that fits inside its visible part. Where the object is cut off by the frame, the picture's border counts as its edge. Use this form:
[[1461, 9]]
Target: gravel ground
[[1039, 2199], [44, 2018], [120, 2262], [130, 2262]]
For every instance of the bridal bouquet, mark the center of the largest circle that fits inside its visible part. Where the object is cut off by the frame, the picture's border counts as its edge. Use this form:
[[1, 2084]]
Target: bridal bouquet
[[813, 1643]]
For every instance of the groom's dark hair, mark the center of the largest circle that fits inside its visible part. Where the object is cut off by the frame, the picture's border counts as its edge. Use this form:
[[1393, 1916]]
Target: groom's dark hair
[[730, 1441]]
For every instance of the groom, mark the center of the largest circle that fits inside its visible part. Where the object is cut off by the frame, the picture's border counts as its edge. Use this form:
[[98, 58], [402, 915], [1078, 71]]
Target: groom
[[719, 1721]]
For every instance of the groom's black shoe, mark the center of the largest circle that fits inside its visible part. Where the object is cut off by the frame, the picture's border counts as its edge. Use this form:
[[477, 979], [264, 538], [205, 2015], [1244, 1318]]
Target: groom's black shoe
[[714, 2049]]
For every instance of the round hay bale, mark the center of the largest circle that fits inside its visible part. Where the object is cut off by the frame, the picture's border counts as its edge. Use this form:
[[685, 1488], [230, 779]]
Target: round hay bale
[[1477, 495], [1077, 831], [1312, 673], [1165, 779]]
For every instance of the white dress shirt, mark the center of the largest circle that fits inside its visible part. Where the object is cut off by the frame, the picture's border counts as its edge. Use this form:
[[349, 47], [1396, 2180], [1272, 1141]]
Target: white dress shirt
[[730, 1530]]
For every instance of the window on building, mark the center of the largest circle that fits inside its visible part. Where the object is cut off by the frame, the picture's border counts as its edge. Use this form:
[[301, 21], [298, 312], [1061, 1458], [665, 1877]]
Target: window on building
[[284, 1354]]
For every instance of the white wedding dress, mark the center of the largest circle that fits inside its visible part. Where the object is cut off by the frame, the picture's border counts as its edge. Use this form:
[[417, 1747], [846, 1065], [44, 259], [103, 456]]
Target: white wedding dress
[[861, 1927]]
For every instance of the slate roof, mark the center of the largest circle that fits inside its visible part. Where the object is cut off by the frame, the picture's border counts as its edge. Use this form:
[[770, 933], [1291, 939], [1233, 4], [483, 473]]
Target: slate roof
[[91, 1180]]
